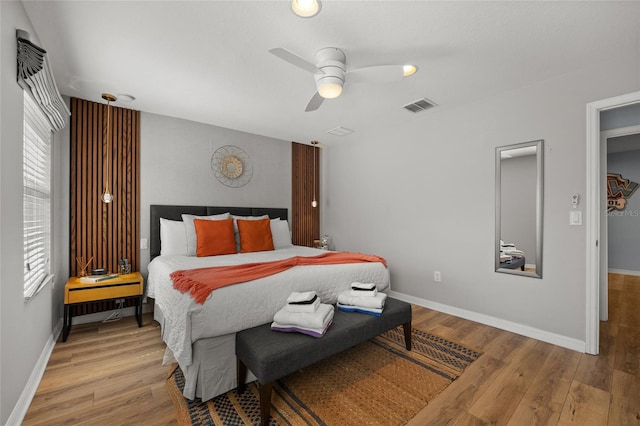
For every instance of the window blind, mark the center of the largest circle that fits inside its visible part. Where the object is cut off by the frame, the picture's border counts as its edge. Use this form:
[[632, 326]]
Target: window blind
[[36, 197], [35, 76]]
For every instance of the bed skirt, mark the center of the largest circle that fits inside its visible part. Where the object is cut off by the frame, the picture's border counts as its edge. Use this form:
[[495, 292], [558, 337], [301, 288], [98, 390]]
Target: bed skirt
[[213, 369]]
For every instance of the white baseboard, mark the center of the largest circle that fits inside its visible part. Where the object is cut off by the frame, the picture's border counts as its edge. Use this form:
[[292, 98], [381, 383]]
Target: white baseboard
[[524, 330], [21, 407], [624, 272]]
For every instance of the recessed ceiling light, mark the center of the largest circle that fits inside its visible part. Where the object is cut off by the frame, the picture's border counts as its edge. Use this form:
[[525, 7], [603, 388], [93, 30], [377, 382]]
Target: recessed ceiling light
[[125, 97], [305, 8], [408, 70]]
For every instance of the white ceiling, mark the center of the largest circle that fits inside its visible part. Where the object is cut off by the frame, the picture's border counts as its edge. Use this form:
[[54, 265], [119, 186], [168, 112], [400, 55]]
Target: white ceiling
[[208, 61], [624, 143]]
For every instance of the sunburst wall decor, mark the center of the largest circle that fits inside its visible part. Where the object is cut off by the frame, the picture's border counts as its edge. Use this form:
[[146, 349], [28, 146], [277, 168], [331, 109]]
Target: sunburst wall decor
[[232, 166]]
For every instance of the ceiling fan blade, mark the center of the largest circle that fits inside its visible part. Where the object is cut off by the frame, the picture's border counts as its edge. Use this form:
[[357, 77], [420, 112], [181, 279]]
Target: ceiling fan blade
[[314, 103], [376, 74], [294, 59]]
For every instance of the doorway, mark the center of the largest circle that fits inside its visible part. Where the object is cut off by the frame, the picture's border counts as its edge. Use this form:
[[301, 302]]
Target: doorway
[[622, 139], [594, 256]]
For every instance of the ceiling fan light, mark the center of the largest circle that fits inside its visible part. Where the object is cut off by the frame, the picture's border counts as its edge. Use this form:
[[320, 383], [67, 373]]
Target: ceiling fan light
[[305, 8], [330, 90], [408, 70]]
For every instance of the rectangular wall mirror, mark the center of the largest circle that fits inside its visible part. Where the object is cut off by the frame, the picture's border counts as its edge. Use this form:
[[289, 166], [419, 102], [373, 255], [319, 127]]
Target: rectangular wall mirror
[[519, 199]]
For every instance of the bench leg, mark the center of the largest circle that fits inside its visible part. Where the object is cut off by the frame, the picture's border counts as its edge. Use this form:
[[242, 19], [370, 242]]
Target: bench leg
[[241, 375], [407, 335], [265, 403]]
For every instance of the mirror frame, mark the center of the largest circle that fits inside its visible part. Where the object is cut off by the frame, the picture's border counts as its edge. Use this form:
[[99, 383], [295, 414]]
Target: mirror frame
[[539, 144]]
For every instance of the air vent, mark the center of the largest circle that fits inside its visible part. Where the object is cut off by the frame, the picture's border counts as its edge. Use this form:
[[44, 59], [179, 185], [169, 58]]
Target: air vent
[[419, 105], [340, 131]]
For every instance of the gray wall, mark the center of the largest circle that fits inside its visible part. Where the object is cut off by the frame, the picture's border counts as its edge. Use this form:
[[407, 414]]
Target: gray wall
[[624, 225], [432, 206], [176, 168], [25, 327], [518, 203]]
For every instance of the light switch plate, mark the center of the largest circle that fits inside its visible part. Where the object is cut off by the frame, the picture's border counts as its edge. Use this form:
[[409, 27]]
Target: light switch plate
[[575, 218], [143, 244]]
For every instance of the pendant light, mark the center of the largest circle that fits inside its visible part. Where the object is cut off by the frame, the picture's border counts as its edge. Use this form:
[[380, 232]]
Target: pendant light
[[314, 202], [107, 196]]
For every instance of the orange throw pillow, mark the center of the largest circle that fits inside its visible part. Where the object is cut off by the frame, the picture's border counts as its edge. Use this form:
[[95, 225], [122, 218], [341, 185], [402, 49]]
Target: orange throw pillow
[[214, 237], [255, 235]]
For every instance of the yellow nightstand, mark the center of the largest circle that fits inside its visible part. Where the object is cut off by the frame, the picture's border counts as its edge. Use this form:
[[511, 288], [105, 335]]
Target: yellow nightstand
[[77, 291]]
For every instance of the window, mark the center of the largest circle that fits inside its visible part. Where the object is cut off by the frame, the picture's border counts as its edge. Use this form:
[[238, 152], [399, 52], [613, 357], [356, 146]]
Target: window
[[36, 198]]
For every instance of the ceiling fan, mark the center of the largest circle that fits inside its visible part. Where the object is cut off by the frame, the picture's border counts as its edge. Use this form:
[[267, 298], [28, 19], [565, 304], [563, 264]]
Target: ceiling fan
[[330, 72]]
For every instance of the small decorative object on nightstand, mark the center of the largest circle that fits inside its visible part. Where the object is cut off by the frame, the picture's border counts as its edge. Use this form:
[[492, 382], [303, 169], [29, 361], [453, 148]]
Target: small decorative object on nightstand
[[80, 290], [124, 267], [82, 265], [324, 243]]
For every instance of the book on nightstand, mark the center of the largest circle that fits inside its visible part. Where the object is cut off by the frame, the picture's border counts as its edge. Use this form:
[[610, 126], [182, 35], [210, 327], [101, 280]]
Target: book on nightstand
[[97, 278]]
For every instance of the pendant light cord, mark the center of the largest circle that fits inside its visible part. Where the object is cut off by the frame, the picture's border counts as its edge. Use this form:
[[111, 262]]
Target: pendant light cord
[[106, 196], [108, 145]]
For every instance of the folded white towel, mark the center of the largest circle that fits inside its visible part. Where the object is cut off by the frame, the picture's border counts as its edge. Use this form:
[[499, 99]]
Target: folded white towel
[[363, 286], [351, 308], [303, 307], [363, 293], [513, 252], [297, 297], [376, 301], [317, 319], [290, 328]]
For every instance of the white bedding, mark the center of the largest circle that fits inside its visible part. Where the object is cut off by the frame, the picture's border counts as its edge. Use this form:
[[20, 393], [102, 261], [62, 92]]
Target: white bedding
[[240, 306]]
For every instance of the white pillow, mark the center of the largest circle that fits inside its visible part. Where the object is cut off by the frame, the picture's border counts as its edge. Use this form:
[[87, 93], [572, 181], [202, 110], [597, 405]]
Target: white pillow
[[280, 234], [190, 230], [173, 239]]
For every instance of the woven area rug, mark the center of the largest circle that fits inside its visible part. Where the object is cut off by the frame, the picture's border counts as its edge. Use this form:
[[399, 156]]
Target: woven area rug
[[375, 383]]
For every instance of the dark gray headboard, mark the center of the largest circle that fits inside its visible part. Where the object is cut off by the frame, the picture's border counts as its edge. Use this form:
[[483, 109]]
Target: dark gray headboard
[[176, 212]]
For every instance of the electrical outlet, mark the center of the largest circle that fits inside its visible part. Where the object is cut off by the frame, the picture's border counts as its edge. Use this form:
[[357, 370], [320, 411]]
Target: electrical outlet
[[436, 276]]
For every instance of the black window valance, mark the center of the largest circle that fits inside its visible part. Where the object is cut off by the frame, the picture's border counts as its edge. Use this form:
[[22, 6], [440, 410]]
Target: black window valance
[[34, 75]]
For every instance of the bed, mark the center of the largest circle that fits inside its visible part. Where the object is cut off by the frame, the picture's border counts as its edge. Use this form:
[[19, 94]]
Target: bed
[[201, 337]]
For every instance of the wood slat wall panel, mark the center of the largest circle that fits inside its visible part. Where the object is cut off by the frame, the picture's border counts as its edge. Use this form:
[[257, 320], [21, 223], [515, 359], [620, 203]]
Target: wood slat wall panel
[[106, 232], [305, 222]]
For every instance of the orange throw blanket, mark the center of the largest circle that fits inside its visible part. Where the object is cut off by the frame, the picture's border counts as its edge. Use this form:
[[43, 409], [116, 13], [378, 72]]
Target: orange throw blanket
[[202, 281]]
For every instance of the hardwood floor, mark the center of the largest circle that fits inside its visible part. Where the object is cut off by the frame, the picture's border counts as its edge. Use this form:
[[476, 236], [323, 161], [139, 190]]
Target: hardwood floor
[[521, 381], [112, 374], [105, 374]]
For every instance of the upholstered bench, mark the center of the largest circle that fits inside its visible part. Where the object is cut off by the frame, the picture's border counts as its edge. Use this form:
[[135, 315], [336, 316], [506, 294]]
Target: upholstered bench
[[271, 355]]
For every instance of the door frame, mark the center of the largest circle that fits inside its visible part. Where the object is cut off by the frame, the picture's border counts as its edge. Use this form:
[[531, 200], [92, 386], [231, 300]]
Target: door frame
[[593, 204]]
